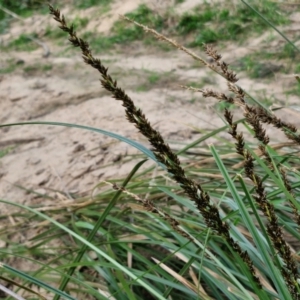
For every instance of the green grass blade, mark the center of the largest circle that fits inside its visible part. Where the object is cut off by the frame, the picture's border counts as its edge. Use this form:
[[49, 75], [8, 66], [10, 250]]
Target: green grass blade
[[136, 145], [277, 279], [11, 293], [224, 268], [21, 286], [100, 221], [125, 284], [48, 268], [273, 271], [36, 281], [205, 137], [271, 25], [277, 180], [91, 246]]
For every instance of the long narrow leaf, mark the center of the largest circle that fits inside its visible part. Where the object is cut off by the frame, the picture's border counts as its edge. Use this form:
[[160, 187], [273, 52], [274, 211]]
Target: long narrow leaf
[[136, 145], [277, 280], [100, 221], [91, 246], [34, 280]]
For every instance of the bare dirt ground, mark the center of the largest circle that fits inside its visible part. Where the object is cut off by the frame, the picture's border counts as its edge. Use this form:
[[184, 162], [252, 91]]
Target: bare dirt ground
[[59, 160]]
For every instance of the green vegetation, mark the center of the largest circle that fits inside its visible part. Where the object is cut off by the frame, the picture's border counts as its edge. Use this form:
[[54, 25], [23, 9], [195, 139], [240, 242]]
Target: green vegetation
[[295, 90], [37, 68], [202, 222], [8, 66], [257, 69], [221, 106], [80, 22], [288, 52], [121, 34], [23, 8], [261, 63], [210, 24], [98, 42], [22, 43], [55, 33], [143, 15], [5, 151], [152, 79], [89, 3]]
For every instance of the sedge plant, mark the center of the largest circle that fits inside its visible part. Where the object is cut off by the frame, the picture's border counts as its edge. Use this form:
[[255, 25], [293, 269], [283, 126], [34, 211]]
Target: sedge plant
[[234, 248]]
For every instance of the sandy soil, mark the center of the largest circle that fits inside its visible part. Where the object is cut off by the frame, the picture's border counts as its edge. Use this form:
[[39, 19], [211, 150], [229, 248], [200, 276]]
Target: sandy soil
[[50, 159]]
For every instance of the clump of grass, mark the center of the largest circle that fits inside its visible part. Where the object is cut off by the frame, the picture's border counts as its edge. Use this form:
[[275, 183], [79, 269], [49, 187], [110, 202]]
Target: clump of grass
[[289, 52], [5, 151], [295, 90], [22, 43], [224, 238], [23, 8], [229, 23], [154, 79], [258, 69], [120, 35], [194, 190], [143, 14]]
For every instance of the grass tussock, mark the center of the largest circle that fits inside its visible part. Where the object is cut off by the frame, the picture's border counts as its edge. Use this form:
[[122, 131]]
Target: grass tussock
[[225, 226], [231, 22]]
